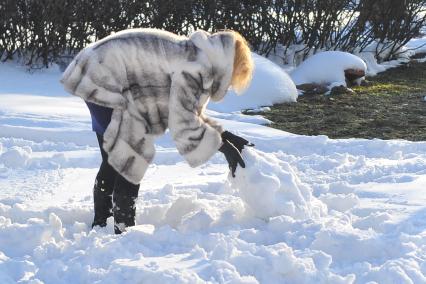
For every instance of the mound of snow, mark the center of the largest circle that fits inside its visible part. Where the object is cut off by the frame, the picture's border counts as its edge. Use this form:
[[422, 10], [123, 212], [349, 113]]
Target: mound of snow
[[270, 187], [326, 67], [270, 85], [16, 157]]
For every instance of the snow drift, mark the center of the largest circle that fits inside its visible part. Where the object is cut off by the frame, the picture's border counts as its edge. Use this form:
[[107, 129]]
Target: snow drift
[[270, 85]]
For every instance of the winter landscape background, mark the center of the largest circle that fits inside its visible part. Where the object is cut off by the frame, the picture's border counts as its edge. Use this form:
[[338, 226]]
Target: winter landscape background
[[306, 209]]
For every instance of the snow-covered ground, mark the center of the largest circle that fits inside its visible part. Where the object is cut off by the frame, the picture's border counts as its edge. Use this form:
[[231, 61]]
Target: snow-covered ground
[[305, 210]]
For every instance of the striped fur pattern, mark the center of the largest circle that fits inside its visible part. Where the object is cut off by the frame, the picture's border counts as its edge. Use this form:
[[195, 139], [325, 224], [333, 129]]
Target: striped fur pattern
[[154, 80]]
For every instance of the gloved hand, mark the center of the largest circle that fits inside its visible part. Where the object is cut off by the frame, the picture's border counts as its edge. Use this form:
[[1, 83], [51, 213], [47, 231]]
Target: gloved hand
[[232, 155], [235, 140]]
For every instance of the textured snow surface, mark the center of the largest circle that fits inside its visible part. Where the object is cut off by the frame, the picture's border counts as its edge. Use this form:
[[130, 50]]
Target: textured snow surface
[[304, 210], [326, 67]]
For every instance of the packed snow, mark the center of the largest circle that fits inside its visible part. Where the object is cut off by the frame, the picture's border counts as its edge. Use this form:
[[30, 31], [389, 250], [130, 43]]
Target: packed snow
[[327, 67], [304, 210]]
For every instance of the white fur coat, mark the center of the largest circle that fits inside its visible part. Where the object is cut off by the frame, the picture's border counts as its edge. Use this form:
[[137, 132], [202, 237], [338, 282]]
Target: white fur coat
[[154, 80]]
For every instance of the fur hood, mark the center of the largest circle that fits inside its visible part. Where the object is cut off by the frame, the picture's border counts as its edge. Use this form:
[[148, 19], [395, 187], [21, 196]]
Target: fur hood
[[220, 50]]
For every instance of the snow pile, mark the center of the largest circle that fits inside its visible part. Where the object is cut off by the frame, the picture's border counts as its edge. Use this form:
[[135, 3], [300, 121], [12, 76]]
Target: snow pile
[[326, 68], [270, 85], [270, 187]]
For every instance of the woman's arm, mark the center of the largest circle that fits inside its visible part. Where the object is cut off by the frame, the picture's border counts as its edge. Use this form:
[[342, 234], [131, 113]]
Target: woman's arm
[[195, 139]]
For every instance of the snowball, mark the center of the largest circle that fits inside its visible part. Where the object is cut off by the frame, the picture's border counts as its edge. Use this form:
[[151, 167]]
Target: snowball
[[270, 187], [326, 67], [270, 85], [16, 157]]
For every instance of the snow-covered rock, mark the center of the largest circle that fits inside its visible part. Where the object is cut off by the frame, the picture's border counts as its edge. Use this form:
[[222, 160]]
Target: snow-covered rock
[[327, 67], [270, 85]]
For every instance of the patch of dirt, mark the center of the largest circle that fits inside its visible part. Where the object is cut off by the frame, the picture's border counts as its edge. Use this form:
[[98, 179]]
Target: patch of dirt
[[392, 106]]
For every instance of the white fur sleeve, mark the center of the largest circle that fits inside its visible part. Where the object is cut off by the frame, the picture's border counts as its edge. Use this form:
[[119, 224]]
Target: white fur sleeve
[[195, 139]]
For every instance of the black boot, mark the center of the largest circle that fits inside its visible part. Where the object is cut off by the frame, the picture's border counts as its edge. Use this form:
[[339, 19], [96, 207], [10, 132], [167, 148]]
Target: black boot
[[102, 191], [102, 197], [125, 195]]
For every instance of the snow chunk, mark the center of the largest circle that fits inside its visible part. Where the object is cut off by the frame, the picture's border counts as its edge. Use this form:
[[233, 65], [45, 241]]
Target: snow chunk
[[340, 202], [181, 207], [326, 67], [270, 85], [271, 187], [16, 157], [196, 221]]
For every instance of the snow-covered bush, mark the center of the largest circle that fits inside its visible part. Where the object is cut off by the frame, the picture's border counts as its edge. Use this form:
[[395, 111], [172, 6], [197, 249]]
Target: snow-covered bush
[[46, 31]]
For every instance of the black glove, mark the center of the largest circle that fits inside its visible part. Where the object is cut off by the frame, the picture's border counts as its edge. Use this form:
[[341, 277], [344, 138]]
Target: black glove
[[232, 155], [235, 140]]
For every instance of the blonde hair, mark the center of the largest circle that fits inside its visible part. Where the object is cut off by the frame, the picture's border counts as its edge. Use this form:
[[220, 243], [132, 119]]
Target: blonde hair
[[243, 64]]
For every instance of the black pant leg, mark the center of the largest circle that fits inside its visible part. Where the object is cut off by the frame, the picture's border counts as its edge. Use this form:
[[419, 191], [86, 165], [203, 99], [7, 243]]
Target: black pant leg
[[103, 189], [124, 197]]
